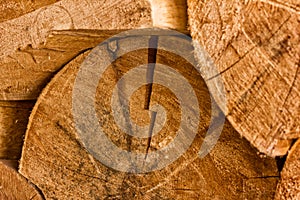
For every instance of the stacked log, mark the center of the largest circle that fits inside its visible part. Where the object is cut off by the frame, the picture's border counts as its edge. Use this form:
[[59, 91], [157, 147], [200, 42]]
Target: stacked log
[[29, 60], [254, 49], [54, 151], [40, 47]]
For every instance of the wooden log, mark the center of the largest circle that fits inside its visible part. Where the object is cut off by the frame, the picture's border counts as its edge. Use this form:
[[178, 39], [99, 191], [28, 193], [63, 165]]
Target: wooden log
[[55, 159], [289, 186], [15, 186], [14, 117], [28, 69], [255, 48]]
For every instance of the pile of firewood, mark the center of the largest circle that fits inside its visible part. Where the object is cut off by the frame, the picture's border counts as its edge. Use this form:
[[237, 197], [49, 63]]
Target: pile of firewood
[[254, 49]]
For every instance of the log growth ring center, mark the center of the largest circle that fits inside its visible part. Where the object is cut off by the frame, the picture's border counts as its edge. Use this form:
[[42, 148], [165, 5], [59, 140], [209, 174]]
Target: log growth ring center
[[84, 93]]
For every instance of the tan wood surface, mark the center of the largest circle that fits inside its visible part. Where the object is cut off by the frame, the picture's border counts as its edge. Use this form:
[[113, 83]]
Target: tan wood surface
[[33, 27], [256, 50], [31, 52], [15, 186], [27, 63], [55, 159], [27, 71], [11, 9]]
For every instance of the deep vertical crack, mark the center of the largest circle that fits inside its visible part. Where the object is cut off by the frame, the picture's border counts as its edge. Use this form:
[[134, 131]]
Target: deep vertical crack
[[152, 53]]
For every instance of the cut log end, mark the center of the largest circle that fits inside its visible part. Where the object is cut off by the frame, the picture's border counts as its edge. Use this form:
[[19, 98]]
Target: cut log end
[[233, 169], [255, 49]]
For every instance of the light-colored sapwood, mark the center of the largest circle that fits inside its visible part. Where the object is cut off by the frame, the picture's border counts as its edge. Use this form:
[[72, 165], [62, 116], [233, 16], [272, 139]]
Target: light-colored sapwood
[[54, 157], [255, 46]]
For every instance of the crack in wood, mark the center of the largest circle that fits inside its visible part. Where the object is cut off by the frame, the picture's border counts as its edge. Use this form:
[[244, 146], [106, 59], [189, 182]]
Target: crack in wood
[[280, 161], [152, 53], [153, 118]]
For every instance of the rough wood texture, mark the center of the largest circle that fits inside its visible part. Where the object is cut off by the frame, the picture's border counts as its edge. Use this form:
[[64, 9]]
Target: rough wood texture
[[31, 64], [289, 185], [54, 158], [27, 65], [11, 9], [33, 27], [14, 118], [28, 70], [15, 186], [169, 14], [255, 46]]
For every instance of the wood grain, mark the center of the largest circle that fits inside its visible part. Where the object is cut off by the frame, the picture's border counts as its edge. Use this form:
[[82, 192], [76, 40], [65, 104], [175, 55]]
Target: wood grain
[[14, 117], [15, 186], [33, 27], [11, 9], [255, 47], [169, 14], [55, 159], [289, 186], [23, 53], [28, 70], [35, 46]]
